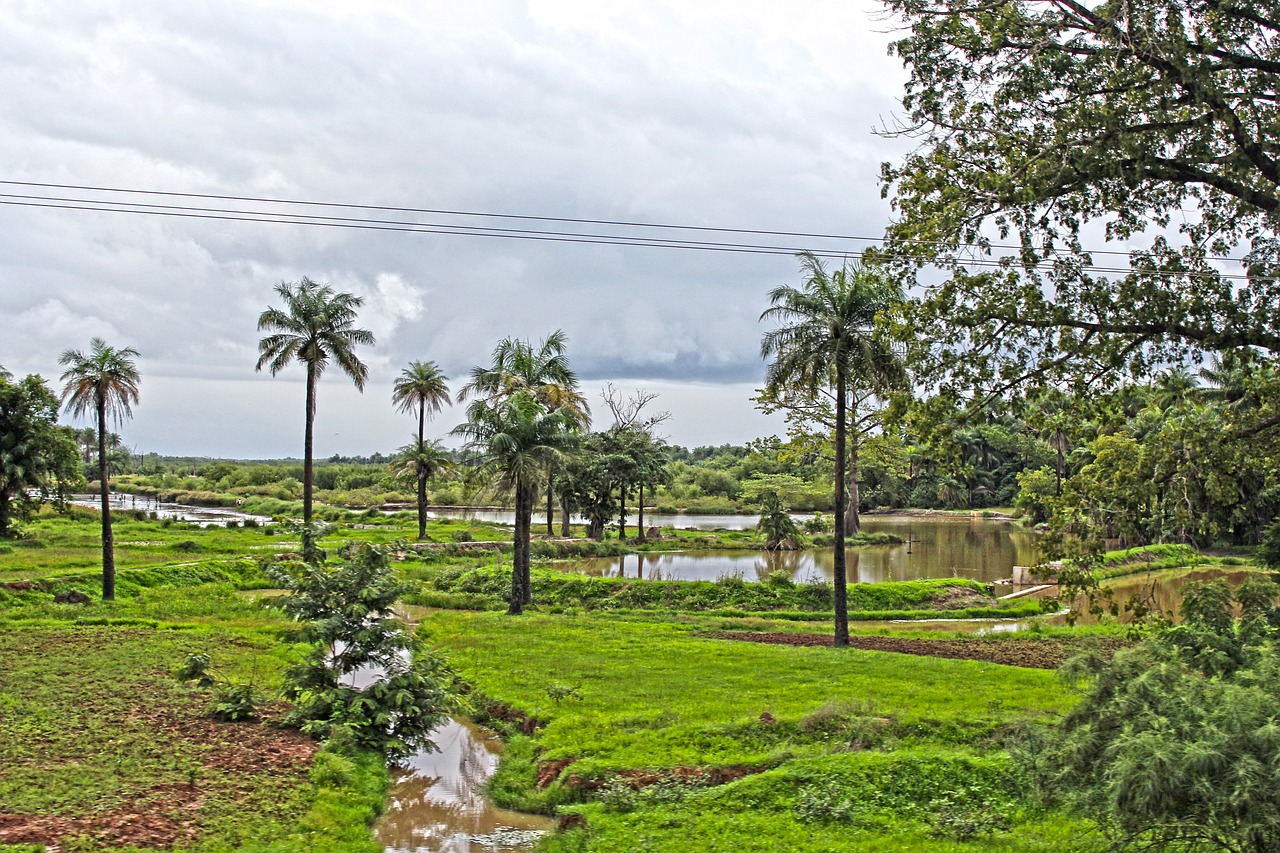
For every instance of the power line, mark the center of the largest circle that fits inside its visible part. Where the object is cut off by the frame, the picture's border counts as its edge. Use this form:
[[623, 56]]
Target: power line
[[514, 216], [284, 217]]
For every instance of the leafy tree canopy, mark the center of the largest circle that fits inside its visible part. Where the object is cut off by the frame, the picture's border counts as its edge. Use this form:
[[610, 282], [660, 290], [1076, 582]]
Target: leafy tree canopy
[[35, 453], [1051, 123]]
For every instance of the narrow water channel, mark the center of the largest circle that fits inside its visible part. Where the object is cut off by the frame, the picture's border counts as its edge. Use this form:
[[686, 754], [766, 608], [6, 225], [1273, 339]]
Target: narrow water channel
[[437, 803]]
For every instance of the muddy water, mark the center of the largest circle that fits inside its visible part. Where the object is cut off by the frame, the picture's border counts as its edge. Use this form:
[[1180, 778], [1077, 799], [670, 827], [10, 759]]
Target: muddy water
[[437, 805], [980, 549], [202, 515], [1161, 593]]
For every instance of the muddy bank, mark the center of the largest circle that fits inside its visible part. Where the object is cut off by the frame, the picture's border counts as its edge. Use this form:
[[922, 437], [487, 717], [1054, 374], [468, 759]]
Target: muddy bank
[[1040, 653]]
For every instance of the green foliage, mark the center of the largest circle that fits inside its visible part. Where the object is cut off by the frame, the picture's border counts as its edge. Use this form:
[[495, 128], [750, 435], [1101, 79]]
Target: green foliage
[[776, 524], [558, 589], [35, 453], [1016, 145], [1174, 741], [1036, 491], [347, 622], [233, 701]]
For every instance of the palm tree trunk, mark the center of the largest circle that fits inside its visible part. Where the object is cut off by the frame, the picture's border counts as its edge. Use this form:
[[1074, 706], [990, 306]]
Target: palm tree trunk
[[564, 516], [839, 570], [422, 472], [515, 605], [640, 516], [526, 581], [551, 531], [308, 541], [852, 522], [108, 540]]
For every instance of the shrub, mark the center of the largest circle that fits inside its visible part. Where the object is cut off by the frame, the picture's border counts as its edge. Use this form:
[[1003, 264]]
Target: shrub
[[1174, 740]]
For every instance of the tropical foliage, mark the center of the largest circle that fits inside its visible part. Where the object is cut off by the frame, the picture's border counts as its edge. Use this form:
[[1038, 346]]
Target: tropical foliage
[[36, 455], [826, 342], [422, 387]]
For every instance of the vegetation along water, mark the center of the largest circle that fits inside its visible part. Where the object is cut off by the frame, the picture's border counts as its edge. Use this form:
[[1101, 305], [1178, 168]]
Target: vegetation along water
[[847, 670]]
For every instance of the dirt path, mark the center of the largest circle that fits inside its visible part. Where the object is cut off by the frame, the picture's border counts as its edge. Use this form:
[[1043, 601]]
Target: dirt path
[[1038, 653]]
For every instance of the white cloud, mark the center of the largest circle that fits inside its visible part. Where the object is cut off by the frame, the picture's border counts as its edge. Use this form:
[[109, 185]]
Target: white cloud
[[736, 114]]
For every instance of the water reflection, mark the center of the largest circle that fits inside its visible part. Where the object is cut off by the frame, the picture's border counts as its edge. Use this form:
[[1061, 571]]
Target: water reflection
[[203, 515], [981, 549], [437, 803]]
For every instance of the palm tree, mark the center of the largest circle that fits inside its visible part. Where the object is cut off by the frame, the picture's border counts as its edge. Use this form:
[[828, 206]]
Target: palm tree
[[544, 373], [827, 341], [777, 525], [316, 325], [421, 387], [520, 439], [422, 460], [104, 382]]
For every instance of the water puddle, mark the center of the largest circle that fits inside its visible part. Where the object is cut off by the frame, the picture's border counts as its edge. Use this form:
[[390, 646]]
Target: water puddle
[[437, 804]]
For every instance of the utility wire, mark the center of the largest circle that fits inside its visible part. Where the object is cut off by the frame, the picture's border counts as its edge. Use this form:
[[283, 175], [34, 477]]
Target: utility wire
[[544, 235], [532, 218]]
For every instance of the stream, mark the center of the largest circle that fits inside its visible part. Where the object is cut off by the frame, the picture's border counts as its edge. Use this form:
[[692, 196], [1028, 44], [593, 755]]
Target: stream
[[437, 804]]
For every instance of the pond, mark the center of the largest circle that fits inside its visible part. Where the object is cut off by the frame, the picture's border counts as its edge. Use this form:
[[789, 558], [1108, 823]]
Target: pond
[[937, 547], [202, 515]]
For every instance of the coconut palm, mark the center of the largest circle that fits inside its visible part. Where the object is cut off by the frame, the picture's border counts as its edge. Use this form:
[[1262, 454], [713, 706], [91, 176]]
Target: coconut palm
[[827, 340], [316, 325], [421, 387], [543, 372], [103, 382], [519, 439]]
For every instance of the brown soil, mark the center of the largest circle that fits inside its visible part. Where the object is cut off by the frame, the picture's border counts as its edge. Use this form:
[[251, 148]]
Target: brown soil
[[168, 815], [1038, 653]]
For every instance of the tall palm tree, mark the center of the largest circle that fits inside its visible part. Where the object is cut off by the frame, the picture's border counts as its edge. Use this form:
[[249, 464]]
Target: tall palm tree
[[104, 382], [317, 324], [520, 439], [543, 372], [421, 387], [827, 340]]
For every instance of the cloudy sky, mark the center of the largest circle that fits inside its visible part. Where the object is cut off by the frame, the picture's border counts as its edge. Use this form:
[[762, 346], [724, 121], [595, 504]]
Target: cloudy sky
[[733, 114]]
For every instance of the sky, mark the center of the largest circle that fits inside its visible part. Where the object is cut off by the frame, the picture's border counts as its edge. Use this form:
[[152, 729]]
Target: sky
[[734, 114]]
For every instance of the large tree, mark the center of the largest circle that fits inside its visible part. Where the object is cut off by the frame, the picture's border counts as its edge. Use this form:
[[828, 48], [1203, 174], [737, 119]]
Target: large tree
[[317, 324], [1045, 127], [828, 340], [35, 453], [519, 439], [422, 388], [104, 383]]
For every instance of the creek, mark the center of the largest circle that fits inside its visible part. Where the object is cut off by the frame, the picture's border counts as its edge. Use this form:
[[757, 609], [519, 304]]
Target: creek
[[437, 804]]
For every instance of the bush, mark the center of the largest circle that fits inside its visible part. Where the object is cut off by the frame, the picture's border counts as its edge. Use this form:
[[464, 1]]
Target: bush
[[347, 622], [1174, 742]]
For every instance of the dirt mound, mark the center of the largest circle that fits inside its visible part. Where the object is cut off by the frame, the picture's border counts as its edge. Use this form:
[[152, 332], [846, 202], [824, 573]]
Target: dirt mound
[[1037, 653]]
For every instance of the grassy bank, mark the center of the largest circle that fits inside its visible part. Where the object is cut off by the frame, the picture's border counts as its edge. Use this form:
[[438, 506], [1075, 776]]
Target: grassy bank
[[486, 587], [636, 724]]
